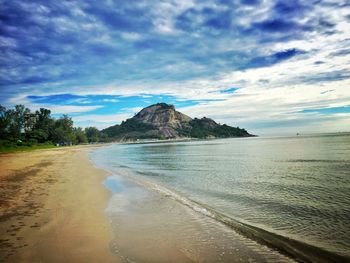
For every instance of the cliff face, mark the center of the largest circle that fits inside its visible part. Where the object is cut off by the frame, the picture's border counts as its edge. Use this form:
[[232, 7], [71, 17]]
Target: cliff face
[[163, 115], [162, 121]]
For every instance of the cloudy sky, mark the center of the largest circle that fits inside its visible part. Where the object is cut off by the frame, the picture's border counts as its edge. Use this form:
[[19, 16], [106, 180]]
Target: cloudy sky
[[269, 66]]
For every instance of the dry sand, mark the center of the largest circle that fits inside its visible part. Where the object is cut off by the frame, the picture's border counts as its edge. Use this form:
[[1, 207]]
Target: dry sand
[[52, 208]]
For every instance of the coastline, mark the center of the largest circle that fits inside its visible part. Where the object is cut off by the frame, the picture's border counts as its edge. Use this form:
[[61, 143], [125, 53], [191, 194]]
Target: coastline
[[150, 225], [52, 207], [55, 208], [295, 248]]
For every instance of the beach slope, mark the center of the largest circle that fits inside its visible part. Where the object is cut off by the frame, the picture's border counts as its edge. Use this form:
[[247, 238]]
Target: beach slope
[[52, 208]]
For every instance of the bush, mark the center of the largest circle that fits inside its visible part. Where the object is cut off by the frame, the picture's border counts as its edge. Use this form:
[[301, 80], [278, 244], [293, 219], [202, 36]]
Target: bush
[[31, 142], [6, 143]]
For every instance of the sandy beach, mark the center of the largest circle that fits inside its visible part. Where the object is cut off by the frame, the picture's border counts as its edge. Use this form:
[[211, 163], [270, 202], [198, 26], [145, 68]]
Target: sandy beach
[[54, 208]]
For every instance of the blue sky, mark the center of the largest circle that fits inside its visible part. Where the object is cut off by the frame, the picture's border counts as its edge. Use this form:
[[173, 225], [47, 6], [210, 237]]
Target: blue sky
[[270, 66]]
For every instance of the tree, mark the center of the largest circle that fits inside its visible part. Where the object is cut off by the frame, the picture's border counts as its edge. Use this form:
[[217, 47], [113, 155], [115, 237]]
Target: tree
[[80, 135], [17, 120], [4, 122], [39, 125], [44, 121], [92, 134], [62, 131], [37, 135]]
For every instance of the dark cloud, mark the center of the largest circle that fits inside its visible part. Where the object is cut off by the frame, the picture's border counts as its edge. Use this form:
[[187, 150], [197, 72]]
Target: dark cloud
[[290, 9], [205, 20], [251, 2], [324, 77], [341, 52], [125, 17], [279, 25], [154, 44], [220, 21], [265, 61], [187, 21], [319, 62]]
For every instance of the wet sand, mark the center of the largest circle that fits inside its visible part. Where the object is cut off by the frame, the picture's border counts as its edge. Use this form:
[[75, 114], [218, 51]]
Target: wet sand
[[151, 227], [52, 208]]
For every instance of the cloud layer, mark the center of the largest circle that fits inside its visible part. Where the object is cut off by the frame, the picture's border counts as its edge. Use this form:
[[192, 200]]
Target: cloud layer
[[263, 65]]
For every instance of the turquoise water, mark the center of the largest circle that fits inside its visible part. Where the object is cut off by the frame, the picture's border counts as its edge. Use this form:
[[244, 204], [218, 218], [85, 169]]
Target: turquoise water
[[295, 187]]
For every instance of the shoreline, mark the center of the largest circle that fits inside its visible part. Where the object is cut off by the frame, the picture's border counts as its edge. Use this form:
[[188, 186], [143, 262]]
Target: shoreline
[[138, 208], [151, 227], [55, 208], [59, 205], [292, 248], [52, 207]]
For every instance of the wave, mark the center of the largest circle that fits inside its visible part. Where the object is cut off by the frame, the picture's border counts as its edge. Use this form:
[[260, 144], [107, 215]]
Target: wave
[[296, 249]]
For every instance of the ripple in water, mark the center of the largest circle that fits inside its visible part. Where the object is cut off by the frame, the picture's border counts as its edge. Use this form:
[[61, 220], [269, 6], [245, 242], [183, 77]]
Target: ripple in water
[[297, 188]]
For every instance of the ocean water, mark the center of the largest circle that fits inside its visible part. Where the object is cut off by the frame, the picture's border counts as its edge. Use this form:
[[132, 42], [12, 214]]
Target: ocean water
[[283, 191]]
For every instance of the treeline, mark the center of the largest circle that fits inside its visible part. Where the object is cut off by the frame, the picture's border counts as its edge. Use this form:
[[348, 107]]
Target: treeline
[[19, 126]]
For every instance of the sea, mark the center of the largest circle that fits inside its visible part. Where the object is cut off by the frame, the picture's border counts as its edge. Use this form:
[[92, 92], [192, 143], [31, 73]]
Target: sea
[[292, 193]]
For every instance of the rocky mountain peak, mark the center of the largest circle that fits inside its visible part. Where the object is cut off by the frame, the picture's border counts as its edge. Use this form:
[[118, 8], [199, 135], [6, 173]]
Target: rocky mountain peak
[[162, 115], [162, 121]]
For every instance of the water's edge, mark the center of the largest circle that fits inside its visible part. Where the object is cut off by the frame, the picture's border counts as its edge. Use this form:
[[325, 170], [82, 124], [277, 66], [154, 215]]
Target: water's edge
[[298, 250], [295, 249]]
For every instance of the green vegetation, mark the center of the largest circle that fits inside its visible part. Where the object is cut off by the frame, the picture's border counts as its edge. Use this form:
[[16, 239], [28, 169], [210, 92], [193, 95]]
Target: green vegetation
[[132, 130], [8, 148], [165, 106], [128, 126], [92, 134], [21, 129], [206, 128]]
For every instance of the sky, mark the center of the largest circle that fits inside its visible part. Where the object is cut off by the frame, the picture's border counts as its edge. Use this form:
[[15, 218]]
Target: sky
[[270, 66]]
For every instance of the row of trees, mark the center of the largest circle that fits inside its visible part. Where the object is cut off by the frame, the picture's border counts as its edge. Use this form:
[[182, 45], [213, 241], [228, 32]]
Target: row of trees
[[20, 125]]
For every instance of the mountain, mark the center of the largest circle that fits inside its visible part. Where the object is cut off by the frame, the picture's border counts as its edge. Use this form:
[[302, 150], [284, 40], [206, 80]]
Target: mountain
[[162, 121]]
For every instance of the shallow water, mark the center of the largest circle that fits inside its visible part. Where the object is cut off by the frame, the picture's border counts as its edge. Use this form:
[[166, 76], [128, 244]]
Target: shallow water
[[151, 227], [296, 187]]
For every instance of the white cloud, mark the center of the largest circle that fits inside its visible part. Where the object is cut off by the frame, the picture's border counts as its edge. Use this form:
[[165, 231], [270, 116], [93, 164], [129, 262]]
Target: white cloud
[[7, 42], [165, 14], [110, 100], [132, 36]]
